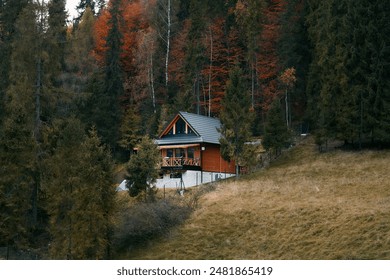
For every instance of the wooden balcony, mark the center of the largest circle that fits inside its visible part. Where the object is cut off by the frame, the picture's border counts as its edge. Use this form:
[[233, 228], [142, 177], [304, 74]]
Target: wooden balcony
[[181, 163]]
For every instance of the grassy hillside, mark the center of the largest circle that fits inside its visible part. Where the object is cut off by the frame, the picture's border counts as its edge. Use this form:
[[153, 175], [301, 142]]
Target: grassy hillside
[[307, 205]]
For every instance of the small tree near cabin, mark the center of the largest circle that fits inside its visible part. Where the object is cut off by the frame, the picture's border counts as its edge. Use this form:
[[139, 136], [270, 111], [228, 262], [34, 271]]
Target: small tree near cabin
[[142, 170], [276, 135], [236, 118]]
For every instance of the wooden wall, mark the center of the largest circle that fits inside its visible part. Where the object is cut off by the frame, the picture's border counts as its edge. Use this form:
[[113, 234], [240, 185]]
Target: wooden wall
[[213, 162]]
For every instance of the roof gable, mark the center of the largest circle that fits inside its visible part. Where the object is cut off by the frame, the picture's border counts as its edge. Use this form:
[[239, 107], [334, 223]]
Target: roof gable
[[205, 129]]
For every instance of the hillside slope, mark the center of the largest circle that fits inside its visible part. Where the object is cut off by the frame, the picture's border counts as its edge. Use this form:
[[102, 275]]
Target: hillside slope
[[307, 205]]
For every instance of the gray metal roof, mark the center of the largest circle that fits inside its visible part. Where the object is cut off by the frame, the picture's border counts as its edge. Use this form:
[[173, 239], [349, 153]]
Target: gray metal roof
[[205, 128], [179, 139]]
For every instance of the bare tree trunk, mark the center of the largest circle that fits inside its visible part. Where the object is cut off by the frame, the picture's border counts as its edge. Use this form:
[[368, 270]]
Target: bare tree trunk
[[211, 66], [151, 82], [287, 110], [168, 41], [197, 94], [37, 122], [253, 87]]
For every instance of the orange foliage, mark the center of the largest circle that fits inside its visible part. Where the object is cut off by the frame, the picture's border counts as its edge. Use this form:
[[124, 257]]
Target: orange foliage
[[100, 34], [223, 52], [178, 55], [133, 20], [268, 62]]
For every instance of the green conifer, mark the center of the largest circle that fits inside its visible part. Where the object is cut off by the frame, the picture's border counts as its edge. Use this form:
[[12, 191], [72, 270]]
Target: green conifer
[[236, 118], [142, 170], [276, 134]]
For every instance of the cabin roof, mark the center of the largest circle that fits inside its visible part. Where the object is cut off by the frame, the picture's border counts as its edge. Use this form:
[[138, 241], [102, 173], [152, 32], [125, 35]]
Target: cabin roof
[[205, 130]]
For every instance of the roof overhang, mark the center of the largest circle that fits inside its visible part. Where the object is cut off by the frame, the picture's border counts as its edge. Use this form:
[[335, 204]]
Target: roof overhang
[[178, 146]]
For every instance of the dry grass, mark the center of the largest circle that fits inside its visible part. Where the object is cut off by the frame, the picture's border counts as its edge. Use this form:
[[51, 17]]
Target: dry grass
[[305, 206]]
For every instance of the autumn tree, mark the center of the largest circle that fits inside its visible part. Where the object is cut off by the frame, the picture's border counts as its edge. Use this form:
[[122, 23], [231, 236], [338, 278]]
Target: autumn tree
[[216, 71], [268, 63], [288, 80]]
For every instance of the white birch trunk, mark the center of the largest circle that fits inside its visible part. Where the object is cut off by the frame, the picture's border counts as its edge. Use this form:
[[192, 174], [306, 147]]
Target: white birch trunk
[[211, 66], [168, 41], [151, 82]]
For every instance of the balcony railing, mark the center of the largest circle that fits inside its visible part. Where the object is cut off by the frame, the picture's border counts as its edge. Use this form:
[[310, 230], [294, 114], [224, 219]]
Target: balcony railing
[[180, 161]]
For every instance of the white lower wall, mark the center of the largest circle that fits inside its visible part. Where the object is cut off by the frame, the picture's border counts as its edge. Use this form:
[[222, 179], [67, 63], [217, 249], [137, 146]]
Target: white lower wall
[[191, 178]]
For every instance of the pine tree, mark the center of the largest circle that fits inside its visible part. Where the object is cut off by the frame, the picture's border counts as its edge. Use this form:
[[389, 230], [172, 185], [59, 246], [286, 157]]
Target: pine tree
[[21, 131], [9, 12], [57, 40], [80, 63], [236, 118], [17, 172], [276, 134], [81, 8], [294, 51], [347, 88], [130, 130], [106, 111], [80, 193], [377, 95], [142, 170], [194, 54]]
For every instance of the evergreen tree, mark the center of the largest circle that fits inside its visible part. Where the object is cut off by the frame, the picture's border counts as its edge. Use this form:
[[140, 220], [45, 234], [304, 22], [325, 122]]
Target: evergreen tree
[[142, 170], [130, 130], [26, 89], [276, 134], [9, 12], [17, 172], [78, 182], [84, 5], [348, 91], [106, 100], [377, 94], [194, 55], [57, 40], [80, 63], [294, 51], [236, 118]]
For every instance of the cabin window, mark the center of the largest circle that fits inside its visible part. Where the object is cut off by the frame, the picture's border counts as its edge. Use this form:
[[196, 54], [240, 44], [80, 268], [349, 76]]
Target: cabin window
[[179, 153], [190, 152], [180, 127], [169, 153], [170, 132], [189, 131]]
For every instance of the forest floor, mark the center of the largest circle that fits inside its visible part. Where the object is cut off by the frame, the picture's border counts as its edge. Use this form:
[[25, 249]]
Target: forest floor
[[305, 205]]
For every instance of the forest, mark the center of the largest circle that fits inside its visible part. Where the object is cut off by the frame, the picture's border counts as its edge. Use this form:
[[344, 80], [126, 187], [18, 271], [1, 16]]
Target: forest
[[77, 95]]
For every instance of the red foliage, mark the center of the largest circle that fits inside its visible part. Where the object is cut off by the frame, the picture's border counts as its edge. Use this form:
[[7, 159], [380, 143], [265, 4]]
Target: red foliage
[[133, 20], [226, 53], [268, 62], [216, 72], [178, 55]]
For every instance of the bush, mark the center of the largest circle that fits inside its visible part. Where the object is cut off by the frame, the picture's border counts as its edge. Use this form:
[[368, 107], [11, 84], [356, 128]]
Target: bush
[[144, 221]]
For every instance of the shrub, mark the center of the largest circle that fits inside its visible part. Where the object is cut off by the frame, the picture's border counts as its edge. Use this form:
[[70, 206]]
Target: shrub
[[144, 221]]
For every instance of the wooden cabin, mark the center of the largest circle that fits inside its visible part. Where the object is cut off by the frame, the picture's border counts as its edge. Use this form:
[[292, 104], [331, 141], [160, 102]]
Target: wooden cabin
[[190, 152]]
